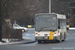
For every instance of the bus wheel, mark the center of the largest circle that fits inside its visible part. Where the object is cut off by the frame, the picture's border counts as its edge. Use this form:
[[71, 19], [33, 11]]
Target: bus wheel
[[60, 38], [39, 41], [59, 41], [64, 37]]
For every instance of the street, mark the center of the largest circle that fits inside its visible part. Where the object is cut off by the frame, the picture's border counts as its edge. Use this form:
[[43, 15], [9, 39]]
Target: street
[[68, 44], [34, 24]]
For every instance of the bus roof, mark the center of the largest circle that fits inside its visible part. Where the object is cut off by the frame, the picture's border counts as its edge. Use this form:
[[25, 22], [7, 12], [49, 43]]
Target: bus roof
[[59, 16]]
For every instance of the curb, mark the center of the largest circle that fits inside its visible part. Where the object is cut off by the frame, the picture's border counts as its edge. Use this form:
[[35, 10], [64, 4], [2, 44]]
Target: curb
[[14, 43], [29, 42]]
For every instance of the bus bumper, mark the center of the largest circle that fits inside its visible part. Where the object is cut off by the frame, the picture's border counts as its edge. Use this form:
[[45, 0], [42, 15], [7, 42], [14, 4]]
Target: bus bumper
[[47, 38]]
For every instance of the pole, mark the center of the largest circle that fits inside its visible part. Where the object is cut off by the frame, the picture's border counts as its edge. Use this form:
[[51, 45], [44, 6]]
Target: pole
[[0, 23], [49, 6]]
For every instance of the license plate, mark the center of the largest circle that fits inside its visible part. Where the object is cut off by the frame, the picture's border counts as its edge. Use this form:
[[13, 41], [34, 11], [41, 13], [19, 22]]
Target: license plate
[[45, 37]]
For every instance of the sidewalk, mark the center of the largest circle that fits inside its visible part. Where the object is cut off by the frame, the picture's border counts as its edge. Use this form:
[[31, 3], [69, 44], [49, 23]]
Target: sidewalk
[[25, 41]]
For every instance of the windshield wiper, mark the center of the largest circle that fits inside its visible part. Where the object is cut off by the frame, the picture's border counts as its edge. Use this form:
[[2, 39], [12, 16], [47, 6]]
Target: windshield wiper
[[45, 27], [42, 28]]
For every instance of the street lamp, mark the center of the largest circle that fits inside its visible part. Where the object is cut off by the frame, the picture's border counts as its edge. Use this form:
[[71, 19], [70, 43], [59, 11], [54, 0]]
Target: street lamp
[[49, 6], [0, 23]]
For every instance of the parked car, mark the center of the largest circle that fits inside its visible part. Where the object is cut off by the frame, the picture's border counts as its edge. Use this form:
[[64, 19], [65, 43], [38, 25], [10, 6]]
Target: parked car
[[16, 26]]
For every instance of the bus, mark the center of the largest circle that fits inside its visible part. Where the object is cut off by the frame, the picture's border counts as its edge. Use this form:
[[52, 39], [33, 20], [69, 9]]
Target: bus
[[50, 27]]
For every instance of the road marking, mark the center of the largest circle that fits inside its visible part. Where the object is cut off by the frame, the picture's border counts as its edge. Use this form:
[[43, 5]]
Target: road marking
[[32, 34], [26, 38], [68, 34], [27, 34], [73, 34]]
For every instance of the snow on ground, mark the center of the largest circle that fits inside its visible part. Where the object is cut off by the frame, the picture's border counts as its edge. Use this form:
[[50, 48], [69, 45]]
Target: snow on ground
[[0, 42], [71, 28]]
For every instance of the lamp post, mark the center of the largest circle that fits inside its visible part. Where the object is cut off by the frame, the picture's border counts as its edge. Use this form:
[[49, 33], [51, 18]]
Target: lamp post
[[0, 23], [49, 6]]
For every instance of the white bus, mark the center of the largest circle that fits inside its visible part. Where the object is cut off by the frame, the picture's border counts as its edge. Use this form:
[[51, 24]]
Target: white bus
[[50, 27]]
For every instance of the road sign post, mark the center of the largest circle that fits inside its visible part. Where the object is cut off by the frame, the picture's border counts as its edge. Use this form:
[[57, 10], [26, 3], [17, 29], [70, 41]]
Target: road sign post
[[49, 6], [0, 23]]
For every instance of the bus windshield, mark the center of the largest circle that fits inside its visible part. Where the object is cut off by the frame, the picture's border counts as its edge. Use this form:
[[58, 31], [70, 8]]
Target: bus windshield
[[46, 21]]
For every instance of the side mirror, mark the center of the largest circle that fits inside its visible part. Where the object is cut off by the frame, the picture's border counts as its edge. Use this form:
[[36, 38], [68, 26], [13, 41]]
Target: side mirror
[[58, 27]]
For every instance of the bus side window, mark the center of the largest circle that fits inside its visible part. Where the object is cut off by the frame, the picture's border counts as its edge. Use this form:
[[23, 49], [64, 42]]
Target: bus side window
[[58, 23]]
